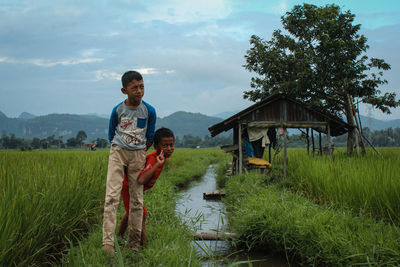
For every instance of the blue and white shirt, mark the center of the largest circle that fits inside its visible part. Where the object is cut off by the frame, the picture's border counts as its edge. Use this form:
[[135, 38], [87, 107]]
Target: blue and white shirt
[[131, 128]]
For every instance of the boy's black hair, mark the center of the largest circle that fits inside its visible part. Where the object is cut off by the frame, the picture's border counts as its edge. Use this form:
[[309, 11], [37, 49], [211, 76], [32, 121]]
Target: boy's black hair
[[130, 76], [162, 133]]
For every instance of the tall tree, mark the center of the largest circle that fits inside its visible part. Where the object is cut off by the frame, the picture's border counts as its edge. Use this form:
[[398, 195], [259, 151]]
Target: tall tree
[[80, 136], [321, 60]]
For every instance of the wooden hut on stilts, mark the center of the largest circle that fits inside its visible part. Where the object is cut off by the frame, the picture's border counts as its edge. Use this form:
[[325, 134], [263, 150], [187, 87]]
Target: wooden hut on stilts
[[278, 112]]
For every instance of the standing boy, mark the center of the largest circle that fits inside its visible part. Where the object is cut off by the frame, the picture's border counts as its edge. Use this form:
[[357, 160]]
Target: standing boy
[[131, 132], [164, 141]]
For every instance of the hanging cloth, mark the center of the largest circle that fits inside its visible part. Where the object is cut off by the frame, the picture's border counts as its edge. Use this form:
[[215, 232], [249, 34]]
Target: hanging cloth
[[258, 133]]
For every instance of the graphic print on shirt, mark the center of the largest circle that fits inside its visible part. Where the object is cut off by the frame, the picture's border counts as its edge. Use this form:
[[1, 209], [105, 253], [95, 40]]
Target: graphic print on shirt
[[130, 132]]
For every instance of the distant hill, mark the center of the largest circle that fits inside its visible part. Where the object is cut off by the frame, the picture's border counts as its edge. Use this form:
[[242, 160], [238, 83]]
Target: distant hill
[[182, 123], [226, 114], [2, 115], [65, 125], [26, 116], [68, 125], [11, 125], [375, 124]]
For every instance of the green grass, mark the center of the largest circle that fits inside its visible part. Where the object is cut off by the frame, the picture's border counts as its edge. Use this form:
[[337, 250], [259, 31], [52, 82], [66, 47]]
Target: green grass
[[52, 199], [336, 211], [169, 240], [46, 197], [267, 217], [368, 185]]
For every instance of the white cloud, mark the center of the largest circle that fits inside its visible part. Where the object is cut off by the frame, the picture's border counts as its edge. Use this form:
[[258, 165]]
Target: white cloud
[[189, 11], [145, 71], [49, 63], [112, 75], [106, 75], [89, 52]]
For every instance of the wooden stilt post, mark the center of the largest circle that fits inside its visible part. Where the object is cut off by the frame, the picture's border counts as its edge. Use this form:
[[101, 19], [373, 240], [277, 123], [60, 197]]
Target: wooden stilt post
[[284, 152], [240, 147], [312, 140], [329, 139], [320, 143], [237, 165], [269, 153], [236, 152]]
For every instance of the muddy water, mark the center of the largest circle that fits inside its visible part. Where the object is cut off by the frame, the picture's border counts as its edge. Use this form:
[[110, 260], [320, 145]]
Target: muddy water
[[209, 216]]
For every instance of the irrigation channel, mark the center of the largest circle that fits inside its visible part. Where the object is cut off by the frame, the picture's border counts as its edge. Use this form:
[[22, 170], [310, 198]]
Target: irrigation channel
[[209, 216]]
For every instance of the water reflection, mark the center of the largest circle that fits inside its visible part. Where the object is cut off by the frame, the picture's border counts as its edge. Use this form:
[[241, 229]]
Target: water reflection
[[209, 216]]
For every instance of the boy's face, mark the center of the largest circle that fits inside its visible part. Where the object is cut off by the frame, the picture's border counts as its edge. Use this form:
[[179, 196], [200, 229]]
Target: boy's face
[[166, 144], [135, 91]]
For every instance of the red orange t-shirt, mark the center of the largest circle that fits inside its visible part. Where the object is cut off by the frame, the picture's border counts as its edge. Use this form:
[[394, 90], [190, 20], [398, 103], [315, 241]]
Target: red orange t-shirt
[[151, 160]]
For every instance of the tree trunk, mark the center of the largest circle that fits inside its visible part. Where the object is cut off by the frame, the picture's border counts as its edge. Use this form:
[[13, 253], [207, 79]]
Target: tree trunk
[[350, 120], [360, 131], [355, 124]]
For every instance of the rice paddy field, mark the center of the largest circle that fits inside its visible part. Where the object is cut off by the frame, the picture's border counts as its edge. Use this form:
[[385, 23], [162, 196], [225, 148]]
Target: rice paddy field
[[368, 185], [336, 210], [52, 201], [329, 210], [46, 198]]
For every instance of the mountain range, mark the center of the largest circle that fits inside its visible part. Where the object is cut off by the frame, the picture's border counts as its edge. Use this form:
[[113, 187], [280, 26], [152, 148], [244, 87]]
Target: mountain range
[[67, 125]]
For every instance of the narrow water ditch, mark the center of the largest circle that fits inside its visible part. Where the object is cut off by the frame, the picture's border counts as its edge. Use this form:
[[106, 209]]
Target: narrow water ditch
[[209, 216]]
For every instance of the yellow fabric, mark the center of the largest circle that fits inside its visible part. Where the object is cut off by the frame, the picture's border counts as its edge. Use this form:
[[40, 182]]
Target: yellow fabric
[[258, 161]]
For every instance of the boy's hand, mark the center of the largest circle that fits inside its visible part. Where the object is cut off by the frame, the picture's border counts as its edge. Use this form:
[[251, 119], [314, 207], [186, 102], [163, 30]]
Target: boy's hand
[[160, 159]]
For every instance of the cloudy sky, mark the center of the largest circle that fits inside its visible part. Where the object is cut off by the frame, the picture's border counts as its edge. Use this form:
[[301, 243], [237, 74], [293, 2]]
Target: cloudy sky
[[68, 56]]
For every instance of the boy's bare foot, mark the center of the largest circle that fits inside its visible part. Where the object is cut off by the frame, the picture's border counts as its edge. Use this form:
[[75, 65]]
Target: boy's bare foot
[[123, 225], [108, 248]]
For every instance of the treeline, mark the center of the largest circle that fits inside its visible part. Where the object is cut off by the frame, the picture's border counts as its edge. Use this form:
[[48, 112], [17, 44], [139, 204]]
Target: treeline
[[186, 141], [379, 138], [13, 142], [190, 141]]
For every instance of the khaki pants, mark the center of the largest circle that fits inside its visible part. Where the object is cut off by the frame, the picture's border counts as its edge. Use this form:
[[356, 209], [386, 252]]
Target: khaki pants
[[133, 162]]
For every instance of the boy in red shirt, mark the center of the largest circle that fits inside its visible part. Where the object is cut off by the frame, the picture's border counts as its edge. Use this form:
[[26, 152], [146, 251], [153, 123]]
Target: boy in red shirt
[[164, 141]]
